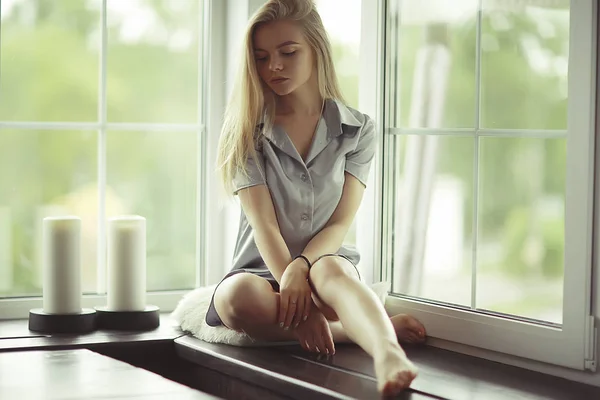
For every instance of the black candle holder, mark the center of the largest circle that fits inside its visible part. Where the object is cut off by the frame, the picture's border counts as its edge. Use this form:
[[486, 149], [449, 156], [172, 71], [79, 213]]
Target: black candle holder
[[144, 320], [43, 322]]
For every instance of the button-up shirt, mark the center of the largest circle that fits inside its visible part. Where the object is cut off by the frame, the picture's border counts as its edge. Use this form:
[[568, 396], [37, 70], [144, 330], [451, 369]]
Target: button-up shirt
[[305, 193]]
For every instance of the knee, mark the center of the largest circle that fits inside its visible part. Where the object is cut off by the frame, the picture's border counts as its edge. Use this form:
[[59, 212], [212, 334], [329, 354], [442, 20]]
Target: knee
[[241, 298], [327, 270]]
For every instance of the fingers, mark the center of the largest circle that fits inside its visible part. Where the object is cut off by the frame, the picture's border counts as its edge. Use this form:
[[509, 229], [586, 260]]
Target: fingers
[[283, 308], [307, 305], [291, 312], [300, 306]]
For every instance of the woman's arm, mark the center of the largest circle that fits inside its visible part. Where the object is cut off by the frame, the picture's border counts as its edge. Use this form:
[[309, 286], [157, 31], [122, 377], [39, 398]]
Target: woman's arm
[[331, 237], [295, 292], [258, 207]]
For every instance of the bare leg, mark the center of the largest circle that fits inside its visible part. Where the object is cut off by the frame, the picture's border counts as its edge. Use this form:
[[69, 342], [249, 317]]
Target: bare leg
[[365, 321], [247, 303]]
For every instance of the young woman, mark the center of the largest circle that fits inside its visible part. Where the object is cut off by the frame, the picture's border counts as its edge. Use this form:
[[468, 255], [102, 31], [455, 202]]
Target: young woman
[[298, 158]]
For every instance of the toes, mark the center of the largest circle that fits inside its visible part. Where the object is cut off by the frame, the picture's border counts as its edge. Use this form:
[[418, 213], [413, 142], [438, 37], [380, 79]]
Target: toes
[[415, 327], [398, 383]]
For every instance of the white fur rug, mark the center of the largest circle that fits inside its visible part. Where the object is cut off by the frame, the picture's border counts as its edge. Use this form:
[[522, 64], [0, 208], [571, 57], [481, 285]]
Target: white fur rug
[[190, 314]]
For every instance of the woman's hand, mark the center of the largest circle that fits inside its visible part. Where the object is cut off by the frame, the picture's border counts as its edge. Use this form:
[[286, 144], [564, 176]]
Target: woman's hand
[[295, 294], [315, 335]]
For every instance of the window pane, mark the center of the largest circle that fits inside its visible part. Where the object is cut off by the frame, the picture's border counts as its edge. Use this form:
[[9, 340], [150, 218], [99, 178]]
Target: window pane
[[155, 175], [521, 227], [525, 57], [153, 60], [345, 42], [436, 64], [49, 63], [433, 217], [44, 174]]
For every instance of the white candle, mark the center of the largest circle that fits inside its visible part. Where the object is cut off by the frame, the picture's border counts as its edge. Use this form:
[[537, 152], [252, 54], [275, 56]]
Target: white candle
[[126, 272], [6, 265], [61, 258]]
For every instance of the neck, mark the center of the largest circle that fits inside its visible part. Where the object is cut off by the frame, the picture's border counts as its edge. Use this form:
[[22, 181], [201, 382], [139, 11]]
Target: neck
[[304, 101]]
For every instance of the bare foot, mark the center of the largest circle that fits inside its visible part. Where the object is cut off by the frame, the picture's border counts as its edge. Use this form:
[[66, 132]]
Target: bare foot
[[408, 329], [394, 371]]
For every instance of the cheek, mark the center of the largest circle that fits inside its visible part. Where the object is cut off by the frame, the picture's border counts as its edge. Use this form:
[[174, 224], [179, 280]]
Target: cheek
[[262, 70], [305, 67]]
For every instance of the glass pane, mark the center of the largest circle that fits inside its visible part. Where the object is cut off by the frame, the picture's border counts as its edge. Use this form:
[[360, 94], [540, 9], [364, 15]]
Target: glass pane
[[153, 60], [44, 174], [155, 175], [521, 227], [345, 43], [524, 59], [50, 58], [436, 64], [433, 217]]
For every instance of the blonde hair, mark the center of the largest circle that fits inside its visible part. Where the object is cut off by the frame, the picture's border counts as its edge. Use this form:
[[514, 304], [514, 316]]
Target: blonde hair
[[253, 103]]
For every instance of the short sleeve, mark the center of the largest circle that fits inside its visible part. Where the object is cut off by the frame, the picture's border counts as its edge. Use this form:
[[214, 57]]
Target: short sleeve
[[254, 173], [358, 161]]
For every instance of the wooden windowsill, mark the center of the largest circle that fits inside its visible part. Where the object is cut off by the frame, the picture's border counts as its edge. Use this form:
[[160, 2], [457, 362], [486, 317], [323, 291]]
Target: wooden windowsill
[[443, 374], [289, 372], [15, 335]]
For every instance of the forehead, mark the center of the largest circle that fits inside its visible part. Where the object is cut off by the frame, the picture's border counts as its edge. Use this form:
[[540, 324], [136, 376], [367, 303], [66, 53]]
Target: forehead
[[270, 35]]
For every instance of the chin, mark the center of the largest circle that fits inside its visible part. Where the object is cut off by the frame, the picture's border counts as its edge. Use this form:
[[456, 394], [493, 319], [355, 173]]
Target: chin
[[282, 90]]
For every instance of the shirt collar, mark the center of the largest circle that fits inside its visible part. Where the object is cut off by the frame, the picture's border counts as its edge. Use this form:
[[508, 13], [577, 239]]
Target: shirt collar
[[336, 115]]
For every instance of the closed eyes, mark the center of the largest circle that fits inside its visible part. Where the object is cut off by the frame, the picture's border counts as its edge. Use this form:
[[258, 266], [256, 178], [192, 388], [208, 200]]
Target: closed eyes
[[285, 54]]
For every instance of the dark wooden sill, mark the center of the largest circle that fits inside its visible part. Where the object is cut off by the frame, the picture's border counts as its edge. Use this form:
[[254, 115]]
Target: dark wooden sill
[[287, 372], [15, 336], [443, 374]]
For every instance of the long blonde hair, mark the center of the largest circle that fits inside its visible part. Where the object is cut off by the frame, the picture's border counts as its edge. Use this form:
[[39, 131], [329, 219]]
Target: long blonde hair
[[252, 102]]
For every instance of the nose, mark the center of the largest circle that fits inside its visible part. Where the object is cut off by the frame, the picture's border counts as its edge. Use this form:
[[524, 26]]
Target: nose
[[275, 64]]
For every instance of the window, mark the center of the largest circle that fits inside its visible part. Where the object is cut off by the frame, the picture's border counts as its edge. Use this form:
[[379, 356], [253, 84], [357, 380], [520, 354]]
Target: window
[[488, 160], [345, 45], [101, 114]]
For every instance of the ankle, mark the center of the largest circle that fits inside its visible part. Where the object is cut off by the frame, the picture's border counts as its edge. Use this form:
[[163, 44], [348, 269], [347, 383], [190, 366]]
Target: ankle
[[386, 346]]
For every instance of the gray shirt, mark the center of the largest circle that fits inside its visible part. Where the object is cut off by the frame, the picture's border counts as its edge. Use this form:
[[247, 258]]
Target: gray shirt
[[306, 193]]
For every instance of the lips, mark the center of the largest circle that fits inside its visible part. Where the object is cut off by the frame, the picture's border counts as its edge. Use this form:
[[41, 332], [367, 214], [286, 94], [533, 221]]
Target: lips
[[278, 80]]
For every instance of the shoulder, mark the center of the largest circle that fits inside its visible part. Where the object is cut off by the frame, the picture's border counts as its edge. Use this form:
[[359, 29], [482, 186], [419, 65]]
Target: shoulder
[[352, 117]]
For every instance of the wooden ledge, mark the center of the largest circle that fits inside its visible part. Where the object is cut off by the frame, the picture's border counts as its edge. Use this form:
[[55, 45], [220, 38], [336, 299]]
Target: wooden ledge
[[285, 370], [293, 373], [16, 336]]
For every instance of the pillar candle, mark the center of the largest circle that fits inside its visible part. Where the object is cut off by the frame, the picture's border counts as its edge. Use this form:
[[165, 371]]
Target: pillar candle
[[61, 270], [126, 256], [6, 264]]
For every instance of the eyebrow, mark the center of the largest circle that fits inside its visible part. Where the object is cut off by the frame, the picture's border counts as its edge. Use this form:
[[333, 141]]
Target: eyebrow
[[288, 43]]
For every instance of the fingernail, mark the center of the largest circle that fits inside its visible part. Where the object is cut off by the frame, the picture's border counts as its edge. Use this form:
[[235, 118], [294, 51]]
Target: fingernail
[[286, 328], [305, 317], [281, 324], [295, 326]]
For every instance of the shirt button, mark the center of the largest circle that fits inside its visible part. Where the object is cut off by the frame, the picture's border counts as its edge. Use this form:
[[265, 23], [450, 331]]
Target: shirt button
[[303, 177], [304, 217]]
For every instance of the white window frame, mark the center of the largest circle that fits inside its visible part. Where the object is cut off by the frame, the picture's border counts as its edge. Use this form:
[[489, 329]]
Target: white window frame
[[210, 18], [573, 344]]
